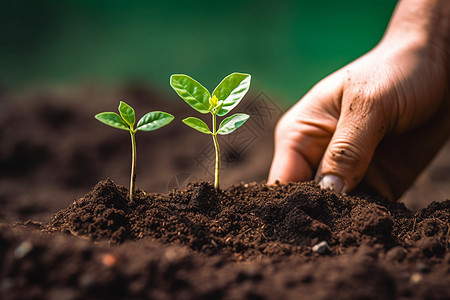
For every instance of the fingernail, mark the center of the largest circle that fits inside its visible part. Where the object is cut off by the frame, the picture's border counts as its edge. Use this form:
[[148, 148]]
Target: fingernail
[[332, 182]]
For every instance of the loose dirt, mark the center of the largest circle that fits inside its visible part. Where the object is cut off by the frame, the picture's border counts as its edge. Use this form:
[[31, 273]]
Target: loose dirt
[[190, 241]]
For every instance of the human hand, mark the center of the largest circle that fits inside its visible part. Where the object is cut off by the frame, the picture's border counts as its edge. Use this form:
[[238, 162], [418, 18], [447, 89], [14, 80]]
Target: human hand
[[380, 119]]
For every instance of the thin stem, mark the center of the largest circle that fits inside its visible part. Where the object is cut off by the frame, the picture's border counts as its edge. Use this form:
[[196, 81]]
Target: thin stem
[[216, 146], [133, 165]]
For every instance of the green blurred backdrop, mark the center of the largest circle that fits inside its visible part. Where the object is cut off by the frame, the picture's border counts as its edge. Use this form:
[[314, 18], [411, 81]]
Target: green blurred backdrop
[[287, 46]]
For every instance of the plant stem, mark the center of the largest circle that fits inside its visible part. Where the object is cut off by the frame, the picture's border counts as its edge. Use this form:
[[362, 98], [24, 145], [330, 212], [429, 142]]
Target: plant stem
[[216, 146], [133, 165]]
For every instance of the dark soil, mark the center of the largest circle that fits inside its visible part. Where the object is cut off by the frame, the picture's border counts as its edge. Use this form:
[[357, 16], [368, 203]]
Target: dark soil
[[246, 241], [249, 241]]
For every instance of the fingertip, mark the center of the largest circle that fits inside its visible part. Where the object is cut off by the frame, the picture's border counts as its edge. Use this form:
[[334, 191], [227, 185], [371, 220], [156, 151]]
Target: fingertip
[[288, 166]]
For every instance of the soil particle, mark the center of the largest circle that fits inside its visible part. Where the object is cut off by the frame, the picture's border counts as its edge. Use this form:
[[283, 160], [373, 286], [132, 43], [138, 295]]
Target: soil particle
[[397, 253], [321, 248]]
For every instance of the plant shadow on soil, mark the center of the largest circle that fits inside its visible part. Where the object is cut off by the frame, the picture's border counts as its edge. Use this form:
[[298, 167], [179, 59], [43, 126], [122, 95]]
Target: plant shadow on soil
[[247, 241]]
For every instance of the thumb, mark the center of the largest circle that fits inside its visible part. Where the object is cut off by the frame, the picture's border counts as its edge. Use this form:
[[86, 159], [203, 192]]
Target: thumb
[[360, 128]]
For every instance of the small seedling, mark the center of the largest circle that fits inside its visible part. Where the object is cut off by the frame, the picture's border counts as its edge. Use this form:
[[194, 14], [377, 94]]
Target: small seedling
[[149, 122], [224, 98]]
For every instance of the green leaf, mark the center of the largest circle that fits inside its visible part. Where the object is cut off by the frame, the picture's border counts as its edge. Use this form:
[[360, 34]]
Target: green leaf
[[230, 124], [127, 113], [154, 120], [231, 90], [197, 124], [112, 119], [191, 91]]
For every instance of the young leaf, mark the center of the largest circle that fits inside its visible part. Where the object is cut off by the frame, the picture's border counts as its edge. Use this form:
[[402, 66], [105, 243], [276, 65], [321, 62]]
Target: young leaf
[[112, 119], [213, 102], [230, 124], [191, 91], [231, 90], [154, 120], [127, 113], [197, 124]]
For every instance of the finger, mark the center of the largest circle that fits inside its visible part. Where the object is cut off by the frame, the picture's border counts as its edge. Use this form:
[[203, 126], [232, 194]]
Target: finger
[[391, 172], [304, 132], [289, 165], [360, 128]]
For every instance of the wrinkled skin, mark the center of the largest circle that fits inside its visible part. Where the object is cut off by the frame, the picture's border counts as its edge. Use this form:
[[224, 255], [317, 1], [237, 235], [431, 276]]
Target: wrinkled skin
[[380, 119]]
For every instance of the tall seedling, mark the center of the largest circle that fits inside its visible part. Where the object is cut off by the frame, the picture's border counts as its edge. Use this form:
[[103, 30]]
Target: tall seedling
[[224, 98], [149, 122]]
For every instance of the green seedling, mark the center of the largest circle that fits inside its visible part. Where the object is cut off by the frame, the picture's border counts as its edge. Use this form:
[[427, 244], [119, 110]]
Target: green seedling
[[149, 122], [224, 98]]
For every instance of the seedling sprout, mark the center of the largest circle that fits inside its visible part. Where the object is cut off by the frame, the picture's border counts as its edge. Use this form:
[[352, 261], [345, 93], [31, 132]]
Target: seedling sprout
[[224, 98], [149, 122]]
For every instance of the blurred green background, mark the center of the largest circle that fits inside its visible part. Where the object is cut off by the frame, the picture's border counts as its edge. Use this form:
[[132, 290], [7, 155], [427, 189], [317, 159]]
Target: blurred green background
[[287, 46]]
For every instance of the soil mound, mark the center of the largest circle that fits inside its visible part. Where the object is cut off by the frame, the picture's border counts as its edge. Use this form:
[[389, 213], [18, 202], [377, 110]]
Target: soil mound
[[250, 241], [249, 221]]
